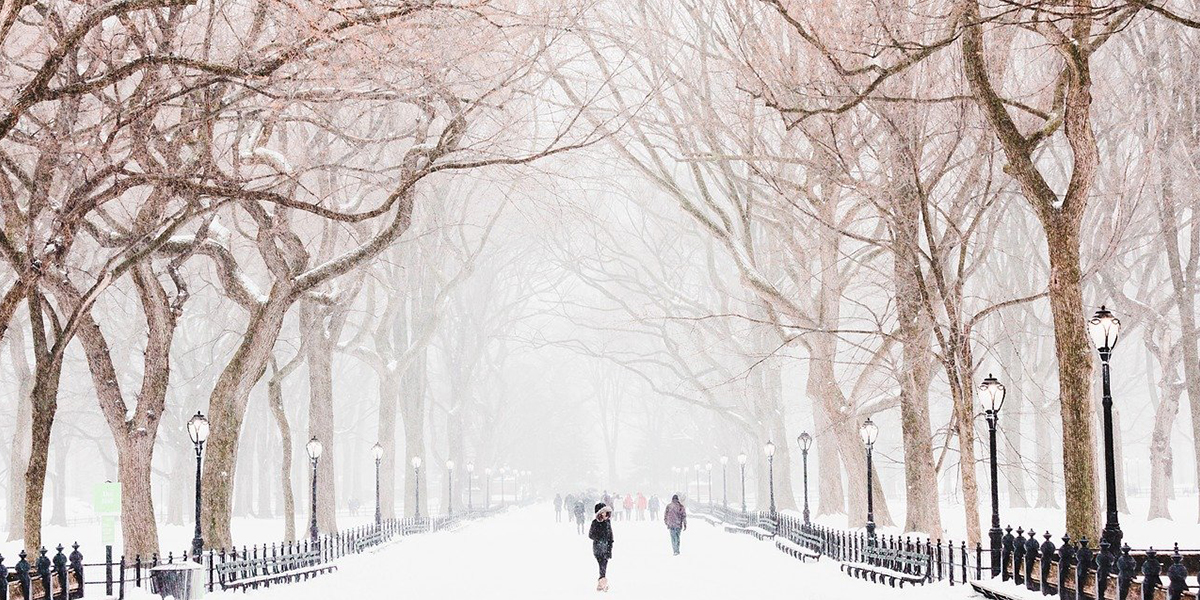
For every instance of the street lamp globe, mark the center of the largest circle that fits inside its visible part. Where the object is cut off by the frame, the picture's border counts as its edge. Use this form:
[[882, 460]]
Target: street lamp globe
[[804, 440], [724, 460], [197, 427], [449, 465], [993, 393], [769, 449], [742, 458], [1104, 329], [869, 432], [697, 466], [377, 451], [708, 466], [416, 462], [314, 448], [470, 467]]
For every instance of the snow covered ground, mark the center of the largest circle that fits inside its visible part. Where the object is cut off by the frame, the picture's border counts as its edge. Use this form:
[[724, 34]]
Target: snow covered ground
[[524, 554]]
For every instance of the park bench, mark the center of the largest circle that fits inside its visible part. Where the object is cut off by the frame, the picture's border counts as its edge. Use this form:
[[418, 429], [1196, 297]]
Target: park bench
[[801, 544], [893, 566], [367, 541], [253, 572]]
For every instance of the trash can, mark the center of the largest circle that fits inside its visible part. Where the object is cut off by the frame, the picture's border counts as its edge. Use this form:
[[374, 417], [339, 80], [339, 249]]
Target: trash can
[[181, 581]]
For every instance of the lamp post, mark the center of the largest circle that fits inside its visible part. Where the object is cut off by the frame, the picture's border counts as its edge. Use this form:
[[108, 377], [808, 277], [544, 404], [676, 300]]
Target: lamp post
[[449, 488], [1104, 329], [487, 488], [197, 428], [869, 432], [769, 449], [416, 463], [992, 392], [708, 467], [377, 452], [805, 442], [314, 449], [677, 471], [697, 469], [742, 459], [470, 485], [724, 487], [503, 470]]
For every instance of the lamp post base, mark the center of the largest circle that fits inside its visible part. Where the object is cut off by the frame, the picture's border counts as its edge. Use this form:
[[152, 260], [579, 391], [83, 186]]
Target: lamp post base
[[996, 541], [1113, 535]]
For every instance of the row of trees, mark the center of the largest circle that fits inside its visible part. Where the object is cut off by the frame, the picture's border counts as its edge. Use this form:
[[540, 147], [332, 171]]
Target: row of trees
[[268, 151], [903, 196]]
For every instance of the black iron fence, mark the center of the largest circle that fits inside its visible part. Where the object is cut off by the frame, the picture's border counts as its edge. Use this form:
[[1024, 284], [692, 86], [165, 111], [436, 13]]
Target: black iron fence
[[1028, 561], [64, 577], [60, 577]]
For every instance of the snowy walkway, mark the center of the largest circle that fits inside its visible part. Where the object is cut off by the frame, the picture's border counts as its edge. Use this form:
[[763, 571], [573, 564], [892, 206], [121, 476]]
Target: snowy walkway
[[526, 555]]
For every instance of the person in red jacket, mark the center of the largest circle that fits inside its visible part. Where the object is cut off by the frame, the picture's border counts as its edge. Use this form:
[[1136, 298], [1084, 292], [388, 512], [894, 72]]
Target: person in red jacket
[[628, 504], [641, 507], [676, 519]]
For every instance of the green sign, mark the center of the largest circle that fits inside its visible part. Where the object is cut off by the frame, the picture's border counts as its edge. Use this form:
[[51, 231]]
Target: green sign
[[108, 530], [106, 498]]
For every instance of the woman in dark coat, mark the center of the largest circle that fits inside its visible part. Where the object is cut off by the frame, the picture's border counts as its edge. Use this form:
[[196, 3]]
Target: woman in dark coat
[[602, 543]]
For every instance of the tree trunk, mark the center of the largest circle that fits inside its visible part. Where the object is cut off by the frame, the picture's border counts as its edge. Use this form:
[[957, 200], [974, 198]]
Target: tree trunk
[[43, 405], [20, 440], [59, 513], [831, 497], [183, 465], [412, 416], [275, 400], [1075, 356], [140, 535], [227, 409], [922, 509], [388, 401]]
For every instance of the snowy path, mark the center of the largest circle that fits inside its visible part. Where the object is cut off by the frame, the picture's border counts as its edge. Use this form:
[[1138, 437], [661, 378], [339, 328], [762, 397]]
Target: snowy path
[[524, 554]]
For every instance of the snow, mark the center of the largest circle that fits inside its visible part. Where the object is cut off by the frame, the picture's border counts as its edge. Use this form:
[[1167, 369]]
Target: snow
[[524, 554]]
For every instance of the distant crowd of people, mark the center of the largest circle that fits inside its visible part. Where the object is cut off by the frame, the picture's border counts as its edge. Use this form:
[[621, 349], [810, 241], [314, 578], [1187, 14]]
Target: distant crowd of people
[[628, 507], [605, 508]]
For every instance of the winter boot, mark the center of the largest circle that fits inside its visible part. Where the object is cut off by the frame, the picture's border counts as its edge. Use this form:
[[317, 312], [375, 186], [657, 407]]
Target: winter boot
[[604, 584]]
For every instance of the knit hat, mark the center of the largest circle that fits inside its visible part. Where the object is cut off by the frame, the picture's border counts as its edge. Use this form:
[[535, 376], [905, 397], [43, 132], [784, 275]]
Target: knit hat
[[602, 508]]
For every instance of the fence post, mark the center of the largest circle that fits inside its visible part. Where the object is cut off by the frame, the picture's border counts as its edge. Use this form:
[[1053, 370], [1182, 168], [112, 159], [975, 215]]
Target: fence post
[[1083, 562], [60, 569], [940, 576], [1048, 557], [121, 576], [3, 579], [1066, 554], [978, 561], [1151, 571], [76, 559], [950, 560], [23, 579], [964, 562], [1006, 553], [211, 559], [1018, 556], [1127, 569], [108, 565], [1104, 565], [1176, 576], [1031, 554]]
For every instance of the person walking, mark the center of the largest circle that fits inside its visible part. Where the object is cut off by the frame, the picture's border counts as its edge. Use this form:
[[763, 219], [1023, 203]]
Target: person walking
[[628, 504], [655, 503], [676, 519], [601, 535], [558, 504], [579, 513], [641, 507]]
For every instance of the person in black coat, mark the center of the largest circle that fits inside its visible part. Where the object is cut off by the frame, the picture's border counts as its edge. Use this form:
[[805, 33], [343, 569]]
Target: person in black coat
[[602, 542]]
